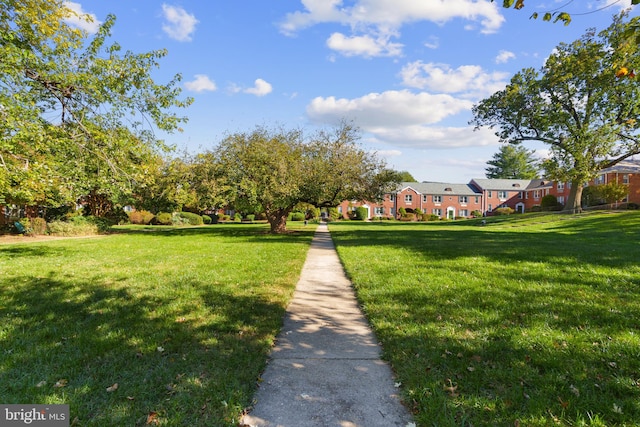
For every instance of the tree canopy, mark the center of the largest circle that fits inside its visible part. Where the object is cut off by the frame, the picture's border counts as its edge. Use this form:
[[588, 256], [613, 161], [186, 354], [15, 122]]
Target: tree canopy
[[584, 103], [512, 162], [67, 95], [274, 170]]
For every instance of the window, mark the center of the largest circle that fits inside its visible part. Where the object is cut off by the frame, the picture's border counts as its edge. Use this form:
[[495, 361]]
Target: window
[[340, 209], [520, 195], [379, 211], [464, 212], [490, 209], [502, 195], [408, 198], [477, 199], [561, 200], [463, 200], [625, 178], [536, 194], [560, 186], [437, 211], [600, 179], [392, 197], [489, 193], [437, 199], [424, 198]]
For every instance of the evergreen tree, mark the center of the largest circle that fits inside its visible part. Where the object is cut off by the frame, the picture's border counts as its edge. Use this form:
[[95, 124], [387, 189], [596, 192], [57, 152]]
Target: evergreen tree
[[512, 162]]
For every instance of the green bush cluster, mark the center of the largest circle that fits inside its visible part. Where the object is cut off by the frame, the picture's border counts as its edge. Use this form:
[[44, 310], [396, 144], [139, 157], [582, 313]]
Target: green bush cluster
[[296, 216], [503, 211], [141, 217], [206, 219], [164, 218], [78, 226], [361, 213], [190, 218]]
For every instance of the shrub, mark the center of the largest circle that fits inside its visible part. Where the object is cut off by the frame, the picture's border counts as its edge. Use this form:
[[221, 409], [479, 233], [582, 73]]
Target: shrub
[[78, 226], [361, 213], [251, 217], [206, 219], [141, 217], [296, 216], [550, 203], [402, 211], [164, 218], [237, 217], [476, 214], [503, 211], [38, 226], [431, 217], [334, 215], [632, 205], [191, 218]]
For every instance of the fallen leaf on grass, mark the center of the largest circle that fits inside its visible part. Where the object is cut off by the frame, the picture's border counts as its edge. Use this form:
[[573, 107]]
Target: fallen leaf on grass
[[112, 388], [451, 389], [41, 384], [152, 418], [60, 383]]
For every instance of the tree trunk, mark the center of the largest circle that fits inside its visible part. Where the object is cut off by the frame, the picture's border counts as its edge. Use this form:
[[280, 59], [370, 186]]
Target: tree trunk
[[278, 220], [574, 203]]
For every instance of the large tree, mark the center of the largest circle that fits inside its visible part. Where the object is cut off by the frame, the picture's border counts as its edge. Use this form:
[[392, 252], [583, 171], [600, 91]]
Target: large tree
[[583, 103], [512, 162], [77, 115], [274, 170]]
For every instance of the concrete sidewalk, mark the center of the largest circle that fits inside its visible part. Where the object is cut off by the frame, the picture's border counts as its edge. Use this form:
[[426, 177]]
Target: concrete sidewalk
[[325, 369]]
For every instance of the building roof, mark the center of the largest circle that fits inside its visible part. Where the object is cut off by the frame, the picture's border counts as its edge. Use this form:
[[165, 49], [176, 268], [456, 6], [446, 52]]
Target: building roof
[[625, 166], [502, 184], [439, 188]]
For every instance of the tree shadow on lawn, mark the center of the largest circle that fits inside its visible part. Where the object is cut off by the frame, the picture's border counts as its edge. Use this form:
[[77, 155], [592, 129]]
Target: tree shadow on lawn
[[515, 345], [188, 362], [224, 231]]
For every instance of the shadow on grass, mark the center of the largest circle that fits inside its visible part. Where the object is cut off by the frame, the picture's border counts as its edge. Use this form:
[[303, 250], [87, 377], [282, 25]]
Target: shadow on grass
[[178, 361], [230, 231], [490, 327]]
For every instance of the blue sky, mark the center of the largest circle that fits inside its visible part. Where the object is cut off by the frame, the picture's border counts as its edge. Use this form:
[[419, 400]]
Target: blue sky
[[406, 72]]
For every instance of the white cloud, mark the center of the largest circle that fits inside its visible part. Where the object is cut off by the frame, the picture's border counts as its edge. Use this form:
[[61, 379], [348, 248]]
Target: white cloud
[[504, 56], [389, 153], [428, 137], [366, 45], [179, 24], [432, 43], [260, 88], [387, 109], [392, 15], [201, 83], [81, 19], [471, 81], [403, 119]]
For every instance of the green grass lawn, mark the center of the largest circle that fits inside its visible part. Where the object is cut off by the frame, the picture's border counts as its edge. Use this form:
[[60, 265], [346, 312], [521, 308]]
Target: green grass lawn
[[527, 321], [167, 327]]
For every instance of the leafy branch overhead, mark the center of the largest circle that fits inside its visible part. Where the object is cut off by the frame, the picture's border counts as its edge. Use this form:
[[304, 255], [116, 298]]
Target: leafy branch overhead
[[554, 16]]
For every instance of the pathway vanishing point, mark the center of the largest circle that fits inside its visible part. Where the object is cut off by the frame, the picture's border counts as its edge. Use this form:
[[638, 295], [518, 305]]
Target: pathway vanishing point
[[325, 369]]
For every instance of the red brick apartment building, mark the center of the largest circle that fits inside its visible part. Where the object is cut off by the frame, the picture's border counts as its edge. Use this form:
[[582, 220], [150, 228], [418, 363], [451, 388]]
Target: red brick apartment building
[[485, 195]]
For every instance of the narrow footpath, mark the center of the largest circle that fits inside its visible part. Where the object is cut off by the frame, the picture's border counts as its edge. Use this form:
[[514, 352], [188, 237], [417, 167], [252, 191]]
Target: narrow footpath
[[325, 369]]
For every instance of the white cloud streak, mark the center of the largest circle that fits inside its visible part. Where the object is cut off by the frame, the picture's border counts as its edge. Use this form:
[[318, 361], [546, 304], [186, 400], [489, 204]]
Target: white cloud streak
[[81, 19], [505, 56], [374, 22], [201, 83], [470, 81], [260, 88], [179, 24]]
